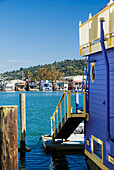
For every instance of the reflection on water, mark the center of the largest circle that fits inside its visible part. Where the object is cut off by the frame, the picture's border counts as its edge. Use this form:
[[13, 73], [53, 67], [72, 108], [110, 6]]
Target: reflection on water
[[22, 161], [68, 160], [39, 159], [59, 161]]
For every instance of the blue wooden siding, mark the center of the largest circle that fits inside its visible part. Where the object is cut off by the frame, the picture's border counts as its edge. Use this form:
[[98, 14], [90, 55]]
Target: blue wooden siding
[[97, 103], [112, 95]]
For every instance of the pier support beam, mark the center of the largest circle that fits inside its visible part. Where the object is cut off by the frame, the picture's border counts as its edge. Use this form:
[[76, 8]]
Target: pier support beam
[[8, 138], [22, 122], [23, 147]]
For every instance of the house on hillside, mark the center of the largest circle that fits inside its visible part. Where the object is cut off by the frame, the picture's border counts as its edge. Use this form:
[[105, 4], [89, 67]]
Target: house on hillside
[[20, 86], [45, 85], [33, 86], [8, 86], [74, 81], [61, 85]]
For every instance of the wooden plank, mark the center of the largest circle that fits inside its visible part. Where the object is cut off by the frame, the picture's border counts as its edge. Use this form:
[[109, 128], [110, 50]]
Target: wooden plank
[[78, 115], [96, 92], [95, 130]]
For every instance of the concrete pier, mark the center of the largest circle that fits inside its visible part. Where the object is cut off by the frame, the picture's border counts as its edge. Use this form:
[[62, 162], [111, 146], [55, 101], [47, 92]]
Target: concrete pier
[[8, 138]]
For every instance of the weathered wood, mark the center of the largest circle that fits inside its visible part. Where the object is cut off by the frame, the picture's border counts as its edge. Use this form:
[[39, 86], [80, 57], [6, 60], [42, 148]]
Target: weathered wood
[[22, 122], [8, 138]]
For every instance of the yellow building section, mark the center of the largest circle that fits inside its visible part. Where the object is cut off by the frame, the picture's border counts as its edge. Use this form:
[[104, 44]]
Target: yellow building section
[[89, 32], [111, 159], [96, 161], [87, 142]]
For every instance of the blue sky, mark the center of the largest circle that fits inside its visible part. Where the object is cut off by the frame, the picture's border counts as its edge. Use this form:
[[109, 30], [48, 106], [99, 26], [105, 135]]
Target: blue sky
[[34, 32]]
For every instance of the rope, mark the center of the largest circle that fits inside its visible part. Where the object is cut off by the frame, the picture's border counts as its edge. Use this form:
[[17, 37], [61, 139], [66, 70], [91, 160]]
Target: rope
[[39, 140]]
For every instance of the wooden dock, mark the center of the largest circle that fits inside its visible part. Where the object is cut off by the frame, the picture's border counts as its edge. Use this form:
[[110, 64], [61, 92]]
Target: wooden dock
[[74, 142]]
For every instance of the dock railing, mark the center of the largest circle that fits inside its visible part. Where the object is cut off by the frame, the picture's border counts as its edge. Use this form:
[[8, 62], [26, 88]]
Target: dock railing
[[66, 108]]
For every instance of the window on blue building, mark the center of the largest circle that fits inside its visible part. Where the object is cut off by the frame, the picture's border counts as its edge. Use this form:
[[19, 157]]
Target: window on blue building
[[97, 147]]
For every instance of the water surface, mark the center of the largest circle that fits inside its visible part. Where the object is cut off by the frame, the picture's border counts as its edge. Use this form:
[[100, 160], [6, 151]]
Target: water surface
[[39, 109]]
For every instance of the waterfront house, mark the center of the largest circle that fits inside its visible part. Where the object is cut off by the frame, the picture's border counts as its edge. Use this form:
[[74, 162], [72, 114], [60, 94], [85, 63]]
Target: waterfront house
[[33, 86], [74, 81], [45, 85], [1, 84], [70, 80], [78, 82], [8, 86], [20, 86], [61, 85]]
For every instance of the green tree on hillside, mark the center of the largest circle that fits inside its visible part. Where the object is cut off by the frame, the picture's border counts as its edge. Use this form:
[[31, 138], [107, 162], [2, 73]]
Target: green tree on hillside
[[28, 74], [43, 74], [66, 68]]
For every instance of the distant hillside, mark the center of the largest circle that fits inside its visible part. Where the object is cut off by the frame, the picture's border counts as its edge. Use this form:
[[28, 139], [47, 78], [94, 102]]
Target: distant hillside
[[66, 67]]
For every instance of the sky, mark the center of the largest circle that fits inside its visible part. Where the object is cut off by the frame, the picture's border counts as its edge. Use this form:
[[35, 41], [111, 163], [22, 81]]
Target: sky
[[35, 32]]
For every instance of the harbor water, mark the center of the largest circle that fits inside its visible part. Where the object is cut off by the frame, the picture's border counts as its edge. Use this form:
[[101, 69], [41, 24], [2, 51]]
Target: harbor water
[[39, 109]]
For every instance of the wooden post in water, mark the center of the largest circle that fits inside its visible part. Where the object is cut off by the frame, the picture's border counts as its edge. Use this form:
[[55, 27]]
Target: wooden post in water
[[8, 138], [23, 147], [22, 122]]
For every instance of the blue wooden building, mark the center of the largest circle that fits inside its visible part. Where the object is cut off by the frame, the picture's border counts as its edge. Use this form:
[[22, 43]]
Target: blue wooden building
[[97, 43], [96, 37]]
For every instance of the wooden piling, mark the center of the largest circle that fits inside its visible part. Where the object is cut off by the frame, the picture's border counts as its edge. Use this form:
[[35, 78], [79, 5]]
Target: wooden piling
[[22, 122], [23, 147], [8, 138]]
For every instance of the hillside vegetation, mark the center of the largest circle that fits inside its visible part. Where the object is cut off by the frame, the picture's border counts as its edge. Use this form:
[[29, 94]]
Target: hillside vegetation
[[63, 68]]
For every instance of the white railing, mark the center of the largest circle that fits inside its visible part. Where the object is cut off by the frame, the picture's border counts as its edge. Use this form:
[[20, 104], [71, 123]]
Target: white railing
[[89, 32]]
